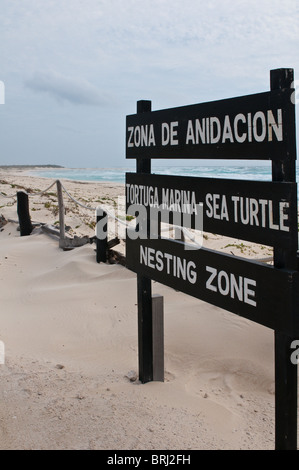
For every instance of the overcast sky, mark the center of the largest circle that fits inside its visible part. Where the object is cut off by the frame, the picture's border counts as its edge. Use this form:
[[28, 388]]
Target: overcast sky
[[73, 69]]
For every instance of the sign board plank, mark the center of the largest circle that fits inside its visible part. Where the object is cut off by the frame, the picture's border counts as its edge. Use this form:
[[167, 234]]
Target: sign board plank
[[259, 126], [262, 212], [250, 289]]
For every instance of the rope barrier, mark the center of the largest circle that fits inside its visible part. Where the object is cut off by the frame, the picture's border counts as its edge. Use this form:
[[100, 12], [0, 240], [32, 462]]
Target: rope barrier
[[77, 202], [28, 194], [8, 197], [43, 192], [185, 231], [93, 208]]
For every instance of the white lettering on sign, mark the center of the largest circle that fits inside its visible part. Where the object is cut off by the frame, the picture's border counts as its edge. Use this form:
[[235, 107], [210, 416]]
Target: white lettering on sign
[[176, 200], [258, 127], [249, 211], [169, 133], [179, 200], [217, 206], [239, 137], [173, 265], [143, 195], [227, 284], [227, 131], [141, 136], [251, 127]]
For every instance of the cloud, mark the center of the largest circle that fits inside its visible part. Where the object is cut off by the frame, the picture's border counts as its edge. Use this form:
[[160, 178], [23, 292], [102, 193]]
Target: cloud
[[101, 56], [70, 89]]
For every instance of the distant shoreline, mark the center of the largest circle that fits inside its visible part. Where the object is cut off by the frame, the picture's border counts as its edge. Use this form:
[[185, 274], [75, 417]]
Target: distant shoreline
[[25, 167]]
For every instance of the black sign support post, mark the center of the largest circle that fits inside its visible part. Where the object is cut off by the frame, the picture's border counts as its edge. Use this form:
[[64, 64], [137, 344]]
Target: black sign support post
[[285, 371], [254, 127], [144, 289]]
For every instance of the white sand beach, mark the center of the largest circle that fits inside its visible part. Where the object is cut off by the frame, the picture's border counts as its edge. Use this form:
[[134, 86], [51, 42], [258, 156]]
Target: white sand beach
[[69, 326]]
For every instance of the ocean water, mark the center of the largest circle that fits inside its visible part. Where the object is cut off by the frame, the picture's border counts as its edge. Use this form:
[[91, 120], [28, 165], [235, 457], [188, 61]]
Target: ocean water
[[259, 172]]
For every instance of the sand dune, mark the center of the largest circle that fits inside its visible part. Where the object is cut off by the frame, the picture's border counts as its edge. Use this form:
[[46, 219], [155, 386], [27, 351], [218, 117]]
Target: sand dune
[[70, 331]]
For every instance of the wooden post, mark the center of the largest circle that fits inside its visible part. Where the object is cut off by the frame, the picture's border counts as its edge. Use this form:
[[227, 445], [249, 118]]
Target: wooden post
[[144, 290], [23, 213], [158, 338], [285, 371], [179, 234], [61, 214], [101, 235]]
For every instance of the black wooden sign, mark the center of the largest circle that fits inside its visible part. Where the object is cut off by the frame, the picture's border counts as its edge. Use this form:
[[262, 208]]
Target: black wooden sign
[[254, 127], [246, 288], [262, 212], [259, 126]]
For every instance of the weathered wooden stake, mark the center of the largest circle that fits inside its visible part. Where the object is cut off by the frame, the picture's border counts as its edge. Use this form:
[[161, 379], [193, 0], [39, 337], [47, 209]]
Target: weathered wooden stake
[[61, 214], [101, 235], [23, 213], [158, 337], [179, 234]]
